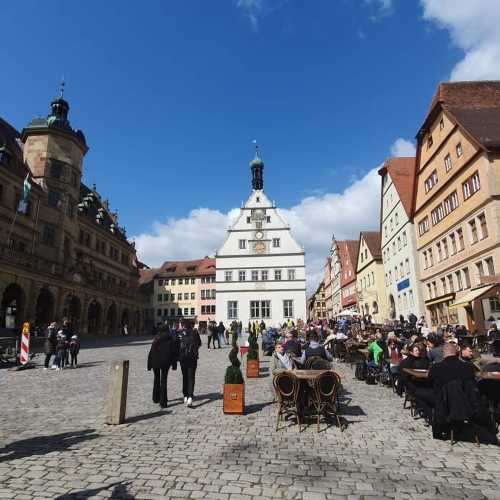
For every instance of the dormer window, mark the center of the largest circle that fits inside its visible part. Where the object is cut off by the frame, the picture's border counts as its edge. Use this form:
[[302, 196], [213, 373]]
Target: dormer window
[[430, 142], [257, 199], [459, 150]]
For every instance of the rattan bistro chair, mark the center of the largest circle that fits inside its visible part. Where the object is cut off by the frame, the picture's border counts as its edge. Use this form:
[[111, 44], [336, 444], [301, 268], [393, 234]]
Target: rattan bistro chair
[[324, 401], [317, 363], [287, 386]]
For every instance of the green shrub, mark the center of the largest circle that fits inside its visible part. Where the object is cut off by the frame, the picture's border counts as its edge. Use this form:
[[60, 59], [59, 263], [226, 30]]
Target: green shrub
[[253, 347], [233, 372]]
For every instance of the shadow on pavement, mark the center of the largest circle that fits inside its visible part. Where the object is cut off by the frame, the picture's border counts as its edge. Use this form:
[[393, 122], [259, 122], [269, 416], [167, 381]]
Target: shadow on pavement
[[255, 408], [42, 445], [204, 399], [120, 491], [146, 416]]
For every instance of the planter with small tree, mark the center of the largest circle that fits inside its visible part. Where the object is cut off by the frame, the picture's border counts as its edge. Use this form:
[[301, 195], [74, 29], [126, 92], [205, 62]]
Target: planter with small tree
[[234, 387], [253, 356]]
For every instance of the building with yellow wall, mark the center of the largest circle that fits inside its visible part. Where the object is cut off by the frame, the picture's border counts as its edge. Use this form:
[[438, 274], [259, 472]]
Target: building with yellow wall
[[457, 204], [370, 278]]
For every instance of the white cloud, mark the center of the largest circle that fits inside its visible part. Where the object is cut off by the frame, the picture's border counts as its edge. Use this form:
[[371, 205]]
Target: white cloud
[[255, 10], [384, 8], [313, 221], [402, 147], [474, 28]]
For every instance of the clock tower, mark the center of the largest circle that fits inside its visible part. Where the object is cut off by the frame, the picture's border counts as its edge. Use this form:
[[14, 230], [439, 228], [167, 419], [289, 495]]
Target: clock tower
[[260, 271]]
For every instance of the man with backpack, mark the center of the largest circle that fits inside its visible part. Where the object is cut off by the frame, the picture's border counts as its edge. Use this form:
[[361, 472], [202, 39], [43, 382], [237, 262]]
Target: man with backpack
[[190, 343]]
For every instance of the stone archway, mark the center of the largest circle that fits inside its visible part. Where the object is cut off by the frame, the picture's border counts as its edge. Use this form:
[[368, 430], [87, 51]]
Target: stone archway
[[111, 317], [44, 311], [73, 310], [375, 307], [94, 317], [13, 304]]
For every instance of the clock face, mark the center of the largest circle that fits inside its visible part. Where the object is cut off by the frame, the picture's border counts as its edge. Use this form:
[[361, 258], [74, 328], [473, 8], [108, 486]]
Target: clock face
[[259, 235], [259, 247]]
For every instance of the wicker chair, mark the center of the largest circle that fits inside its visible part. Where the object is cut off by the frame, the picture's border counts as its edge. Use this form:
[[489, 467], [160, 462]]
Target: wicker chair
[[287, 388], [324, 400]]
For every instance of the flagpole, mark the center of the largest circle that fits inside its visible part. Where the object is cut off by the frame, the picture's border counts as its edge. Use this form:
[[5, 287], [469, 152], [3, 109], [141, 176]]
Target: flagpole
[[35, 229]]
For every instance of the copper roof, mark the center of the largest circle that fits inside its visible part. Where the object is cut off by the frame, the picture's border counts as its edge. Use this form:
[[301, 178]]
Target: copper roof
[[373, 240], [403, 172]]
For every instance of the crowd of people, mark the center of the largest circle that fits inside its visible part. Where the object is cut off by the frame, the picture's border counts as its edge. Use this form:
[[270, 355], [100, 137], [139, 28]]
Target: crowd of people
[[381, 355]]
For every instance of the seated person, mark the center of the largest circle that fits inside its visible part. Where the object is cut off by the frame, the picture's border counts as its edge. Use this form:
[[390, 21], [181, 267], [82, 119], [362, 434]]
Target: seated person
[[434, 349], [292, 345], [440, 374], [375, 353], [415, 360], [314, 349], [467, 355], [393, 355], [280, 360]]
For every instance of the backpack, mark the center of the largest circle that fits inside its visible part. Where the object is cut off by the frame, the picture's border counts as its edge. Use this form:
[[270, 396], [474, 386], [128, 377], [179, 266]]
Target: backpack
[[188, 350], [360, 371]]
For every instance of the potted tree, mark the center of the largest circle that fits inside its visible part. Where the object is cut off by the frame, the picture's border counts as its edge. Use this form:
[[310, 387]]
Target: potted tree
[[253, 356], [234, 387]]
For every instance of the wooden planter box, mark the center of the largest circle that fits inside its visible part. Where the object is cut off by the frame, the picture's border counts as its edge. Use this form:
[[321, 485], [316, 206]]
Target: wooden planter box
[[252, 368], [234, 398]]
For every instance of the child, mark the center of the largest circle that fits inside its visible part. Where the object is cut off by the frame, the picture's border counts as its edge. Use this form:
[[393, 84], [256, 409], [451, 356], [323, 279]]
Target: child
[[60, 350], [74, 349]]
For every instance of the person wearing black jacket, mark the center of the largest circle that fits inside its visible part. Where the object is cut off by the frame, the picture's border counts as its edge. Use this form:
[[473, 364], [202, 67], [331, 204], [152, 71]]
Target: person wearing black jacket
[[50, 344], [189, 346], [450, 369], [416, 360], [162, 355]]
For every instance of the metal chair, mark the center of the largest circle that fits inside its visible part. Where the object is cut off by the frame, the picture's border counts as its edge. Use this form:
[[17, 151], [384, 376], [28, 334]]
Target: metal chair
[[324, 401], [317, 363], [287, 388]]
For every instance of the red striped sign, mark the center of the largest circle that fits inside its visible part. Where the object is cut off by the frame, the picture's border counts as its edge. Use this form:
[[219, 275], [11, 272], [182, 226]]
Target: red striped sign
[[25, 344]]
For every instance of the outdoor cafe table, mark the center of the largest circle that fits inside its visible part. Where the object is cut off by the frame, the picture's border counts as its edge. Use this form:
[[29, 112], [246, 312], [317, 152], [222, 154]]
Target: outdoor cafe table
[[309, 374], [423, 374]]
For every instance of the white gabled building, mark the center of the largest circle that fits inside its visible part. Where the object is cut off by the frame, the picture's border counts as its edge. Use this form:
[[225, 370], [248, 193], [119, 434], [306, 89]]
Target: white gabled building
[[403, 289], [260, 270]]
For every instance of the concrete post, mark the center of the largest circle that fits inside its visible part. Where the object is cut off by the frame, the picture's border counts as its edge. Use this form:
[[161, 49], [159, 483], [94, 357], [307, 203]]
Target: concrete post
[[117, 392]]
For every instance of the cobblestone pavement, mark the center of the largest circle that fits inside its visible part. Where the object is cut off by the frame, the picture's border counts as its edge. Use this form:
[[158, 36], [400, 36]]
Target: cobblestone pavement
[[55, 445]]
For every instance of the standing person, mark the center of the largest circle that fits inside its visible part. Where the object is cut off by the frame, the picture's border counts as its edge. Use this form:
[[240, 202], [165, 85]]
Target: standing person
[[50, 344], [220, 334], [213, 334], [190, 343], [162, 355], [67, 331], [125, 329], [61, 350], [74, 349]]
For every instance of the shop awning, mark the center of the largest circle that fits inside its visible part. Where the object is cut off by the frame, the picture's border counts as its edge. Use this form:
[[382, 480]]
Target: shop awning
[[443, 298], [467, 299]]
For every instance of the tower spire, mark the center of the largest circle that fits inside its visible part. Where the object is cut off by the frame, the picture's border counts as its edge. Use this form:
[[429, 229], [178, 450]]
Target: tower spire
[[61, 88], [257, 167]]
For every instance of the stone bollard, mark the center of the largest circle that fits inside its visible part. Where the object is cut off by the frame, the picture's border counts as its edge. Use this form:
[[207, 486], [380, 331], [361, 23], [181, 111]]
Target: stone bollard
[[117, 392]]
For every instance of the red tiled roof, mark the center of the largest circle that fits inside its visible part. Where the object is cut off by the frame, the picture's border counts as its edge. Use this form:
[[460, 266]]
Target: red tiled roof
[[403, 172], [474, 105], [373, 240], [200, 267], [352, 251], [146, 275]]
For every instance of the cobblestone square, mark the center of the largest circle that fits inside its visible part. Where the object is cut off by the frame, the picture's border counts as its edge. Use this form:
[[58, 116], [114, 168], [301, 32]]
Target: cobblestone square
[[54, 443]]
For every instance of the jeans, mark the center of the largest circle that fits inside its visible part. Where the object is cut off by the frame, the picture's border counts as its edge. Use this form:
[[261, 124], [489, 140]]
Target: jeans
[[188, 377], [372, 364], [160, 386], [48, 355], [74, 359], [213, 338]]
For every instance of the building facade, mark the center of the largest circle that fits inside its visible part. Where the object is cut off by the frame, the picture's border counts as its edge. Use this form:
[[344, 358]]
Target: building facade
[[335, 277], [399, 254], [317, 304], [63, 254], [183, 290], [370, 277], [260, 270], [327, 287], [457, 204], [348, 253]]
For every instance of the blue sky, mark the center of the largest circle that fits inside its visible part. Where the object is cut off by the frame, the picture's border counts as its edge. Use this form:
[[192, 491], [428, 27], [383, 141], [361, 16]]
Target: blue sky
[[170, 95]]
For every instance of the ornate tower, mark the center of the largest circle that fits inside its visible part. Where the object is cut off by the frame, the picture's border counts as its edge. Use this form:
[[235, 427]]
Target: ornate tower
[[257, 166], [54, 151]]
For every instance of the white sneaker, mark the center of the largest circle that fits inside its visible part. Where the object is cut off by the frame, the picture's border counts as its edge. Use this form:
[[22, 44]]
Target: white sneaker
[[45, 368], [190, 402], [185, 400]]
